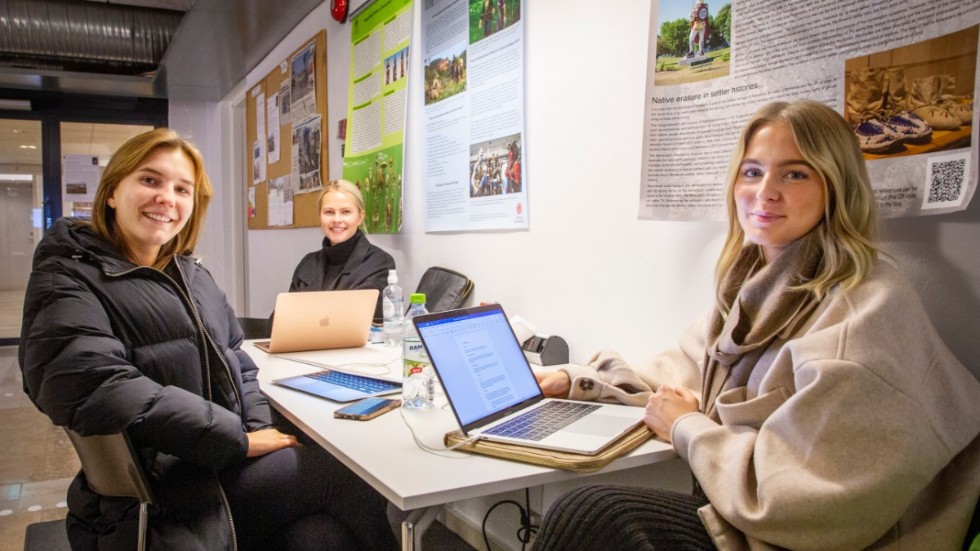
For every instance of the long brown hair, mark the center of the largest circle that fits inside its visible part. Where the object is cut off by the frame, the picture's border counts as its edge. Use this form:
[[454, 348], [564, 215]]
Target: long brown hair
[[125, 161], [847, 230]]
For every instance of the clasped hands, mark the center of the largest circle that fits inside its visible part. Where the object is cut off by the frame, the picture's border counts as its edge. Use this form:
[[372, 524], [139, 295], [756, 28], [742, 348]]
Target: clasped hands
[[663, 407]]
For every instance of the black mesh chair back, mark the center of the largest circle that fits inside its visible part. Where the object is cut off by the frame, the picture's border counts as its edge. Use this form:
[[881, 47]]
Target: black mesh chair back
[[256, 328]]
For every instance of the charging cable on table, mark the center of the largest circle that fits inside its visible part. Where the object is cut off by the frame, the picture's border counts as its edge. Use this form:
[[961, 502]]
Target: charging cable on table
[[437, 451]]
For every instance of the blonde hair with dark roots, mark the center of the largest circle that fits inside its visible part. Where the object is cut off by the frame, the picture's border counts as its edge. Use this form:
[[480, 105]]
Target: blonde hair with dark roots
[[125, 161], [846, 232]]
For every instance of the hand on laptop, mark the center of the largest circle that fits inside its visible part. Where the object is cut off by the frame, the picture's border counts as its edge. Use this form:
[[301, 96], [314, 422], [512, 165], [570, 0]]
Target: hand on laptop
[[554, 384], [266, 441]]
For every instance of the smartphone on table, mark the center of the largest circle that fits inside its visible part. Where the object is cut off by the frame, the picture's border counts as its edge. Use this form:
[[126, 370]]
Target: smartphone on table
[[368, 408]]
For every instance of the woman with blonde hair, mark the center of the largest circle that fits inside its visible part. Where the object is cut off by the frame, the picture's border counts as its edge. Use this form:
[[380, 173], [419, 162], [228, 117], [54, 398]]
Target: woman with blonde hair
[[816, 405], [346, 259], [125, 332]]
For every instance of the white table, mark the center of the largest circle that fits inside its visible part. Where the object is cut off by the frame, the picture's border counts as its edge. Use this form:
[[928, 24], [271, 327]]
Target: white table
[[383, 452]]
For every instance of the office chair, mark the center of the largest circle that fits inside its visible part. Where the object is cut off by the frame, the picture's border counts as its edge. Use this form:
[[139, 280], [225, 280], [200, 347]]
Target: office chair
[[256, 328], [444, 289], [112, 469]]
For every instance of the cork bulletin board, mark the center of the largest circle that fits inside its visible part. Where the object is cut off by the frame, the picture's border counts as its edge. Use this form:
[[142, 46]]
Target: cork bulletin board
[[298, 87]]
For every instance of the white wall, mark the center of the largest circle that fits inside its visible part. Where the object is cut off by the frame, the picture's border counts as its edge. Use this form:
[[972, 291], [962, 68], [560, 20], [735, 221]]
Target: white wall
[[586, 269], [220, 246]]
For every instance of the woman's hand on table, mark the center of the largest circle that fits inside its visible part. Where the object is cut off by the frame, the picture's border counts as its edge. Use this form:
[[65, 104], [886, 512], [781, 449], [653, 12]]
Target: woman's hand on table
[[265, 441]]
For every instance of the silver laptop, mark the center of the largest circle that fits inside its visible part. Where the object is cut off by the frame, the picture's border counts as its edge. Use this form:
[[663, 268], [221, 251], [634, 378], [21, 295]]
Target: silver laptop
[[321, 320], [494, 395]]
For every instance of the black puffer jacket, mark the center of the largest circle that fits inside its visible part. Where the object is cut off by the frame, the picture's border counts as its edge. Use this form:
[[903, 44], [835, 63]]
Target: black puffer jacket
[[108, 346]]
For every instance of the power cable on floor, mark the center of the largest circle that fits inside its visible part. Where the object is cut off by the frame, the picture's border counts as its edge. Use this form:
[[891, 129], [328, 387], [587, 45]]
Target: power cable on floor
[[527, 530]]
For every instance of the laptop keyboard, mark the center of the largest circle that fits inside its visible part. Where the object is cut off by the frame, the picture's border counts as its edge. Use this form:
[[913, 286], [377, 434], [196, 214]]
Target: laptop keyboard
[[543, 421], [356, 382]]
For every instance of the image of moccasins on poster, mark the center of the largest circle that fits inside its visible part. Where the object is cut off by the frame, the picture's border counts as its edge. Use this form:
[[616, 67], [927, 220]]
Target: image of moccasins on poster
[[939, 118], [910, 127], [874, 136]]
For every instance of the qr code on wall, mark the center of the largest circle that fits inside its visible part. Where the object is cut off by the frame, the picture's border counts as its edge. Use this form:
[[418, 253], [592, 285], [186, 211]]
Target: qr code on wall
[[946, 181]]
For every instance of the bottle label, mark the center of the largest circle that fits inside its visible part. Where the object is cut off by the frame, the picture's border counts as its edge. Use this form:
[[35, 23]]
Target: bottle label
[[390, 309], [416, 360]]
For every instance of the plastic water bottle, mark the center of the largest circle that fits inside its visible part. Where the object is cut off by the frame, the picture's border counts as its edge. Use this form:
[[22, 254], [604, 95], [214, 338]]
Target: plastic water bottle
[[393, 307], [418, 384]]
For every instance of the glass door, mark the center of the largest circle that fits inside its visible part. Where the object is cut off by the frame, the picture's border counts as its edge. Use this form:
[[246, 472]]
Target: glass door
[[20, 216], [85, 149]]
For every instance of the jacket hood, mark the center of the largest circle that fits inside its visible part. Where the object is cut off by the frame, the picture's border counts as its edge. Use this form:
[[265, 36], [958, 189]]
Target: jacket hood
[[74, 238]]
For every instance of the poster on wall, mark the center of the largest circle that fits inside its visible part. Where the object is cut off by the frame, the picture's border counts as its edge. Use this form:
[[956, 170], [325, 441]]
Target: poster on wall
[[473, 115], [81, 177], [81, 174], [903, 74], [381, 38], [306, 174], [272, 115], [302, 83], [259, 145]]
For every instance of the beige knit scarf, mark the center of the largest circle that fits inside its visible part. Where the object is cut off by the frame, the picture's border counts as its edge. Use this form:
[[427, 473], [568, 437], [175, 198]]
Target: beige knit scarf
[[762, 306]]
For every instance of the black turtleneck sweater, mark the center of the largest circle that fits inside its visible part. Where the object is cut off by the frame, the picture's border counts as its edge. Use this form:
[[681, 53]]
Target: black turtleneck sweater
[[353, 264]]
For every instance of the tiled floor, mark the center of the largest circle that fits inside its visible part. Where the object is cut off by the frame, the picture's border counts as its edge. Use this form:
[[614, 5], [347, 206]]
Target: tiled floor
[[37, 461], [11, 310]]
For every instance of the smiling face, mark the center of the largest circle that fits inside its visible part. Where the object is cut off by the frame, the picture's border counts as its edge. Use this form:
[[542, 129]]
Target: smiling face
[[779, 197], [339, 216], [154, 202]]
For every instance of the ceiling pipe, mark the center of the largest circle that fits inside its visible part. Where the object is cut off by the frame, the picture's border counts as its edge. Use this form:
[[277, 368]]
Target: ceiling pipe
[[80, 36]]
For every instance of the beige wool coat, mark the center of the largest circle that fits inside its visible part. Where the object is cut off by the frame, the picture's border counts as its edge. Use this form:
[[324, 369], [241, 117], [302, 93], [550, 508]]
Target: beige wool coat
[[859, 430]]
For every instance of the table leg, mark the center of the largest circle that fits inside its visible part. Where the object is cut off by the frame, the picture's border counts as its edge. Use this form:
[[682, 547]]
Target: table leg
[[415, 524]]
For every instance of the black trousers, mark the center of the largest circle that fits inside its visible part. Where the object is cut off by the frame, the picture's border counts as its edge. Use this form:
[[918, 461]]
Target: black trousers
[[623, 518], [304, 498]]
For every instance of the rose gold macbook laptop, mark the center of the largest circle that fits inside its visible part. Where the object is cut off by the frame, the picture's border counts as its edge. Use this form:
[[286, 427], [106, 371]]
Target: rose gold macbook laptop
[[321, 320]]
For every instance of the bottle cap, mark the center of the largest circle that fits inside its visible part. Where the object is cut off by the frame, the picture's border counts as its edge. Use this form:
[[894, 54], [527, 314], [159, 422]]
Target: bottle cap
[[417, 298], [392, 277]]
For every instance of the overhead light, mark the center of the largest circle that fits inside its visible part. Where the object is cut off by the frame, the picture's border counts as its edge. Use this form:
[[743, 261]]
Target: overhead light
[[27, 146], [17, 177], [15, 104]]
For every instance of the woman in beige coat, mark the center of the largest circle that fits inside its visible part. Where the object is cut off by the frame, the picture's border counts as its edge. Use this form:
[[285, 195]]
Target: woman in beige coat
[[816, 405]]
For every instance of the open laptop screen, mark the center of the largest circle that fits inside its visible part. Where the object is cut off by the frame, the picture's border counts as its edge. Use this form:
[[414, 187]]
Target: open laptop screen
[[479, 361]]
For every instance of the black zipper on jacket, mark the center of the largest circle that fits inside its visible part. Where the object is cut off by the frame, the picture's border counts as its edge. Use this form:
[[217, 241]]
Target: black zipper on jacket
[[213, 345], [207, 369], [231, 379]]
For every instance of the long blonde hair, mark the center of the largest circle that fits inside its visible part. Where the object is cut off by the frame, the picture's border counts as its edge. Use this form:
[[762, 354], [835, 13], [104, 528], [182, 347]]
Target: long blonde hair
[[126, 160], [846, 232]]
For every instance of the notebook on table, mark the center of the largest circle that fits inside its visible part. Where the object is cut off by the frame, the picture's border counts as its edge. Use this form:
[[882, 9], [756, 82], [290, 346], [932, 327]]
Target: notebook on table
[[321, 320], [494, 395]]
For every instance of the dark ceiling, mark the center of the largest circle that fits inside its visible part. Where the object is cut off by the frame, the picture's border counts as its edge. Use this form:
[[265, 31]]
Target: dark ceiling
[[177, 49]]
